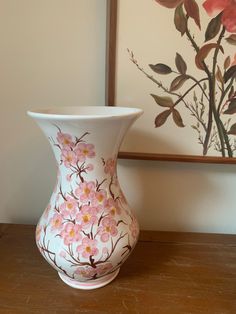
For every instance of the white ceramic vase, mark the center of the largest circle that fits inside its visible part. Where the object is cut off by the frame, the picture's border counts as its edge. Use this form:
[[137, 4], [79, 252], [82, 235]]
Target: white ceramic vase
[[87, 230]]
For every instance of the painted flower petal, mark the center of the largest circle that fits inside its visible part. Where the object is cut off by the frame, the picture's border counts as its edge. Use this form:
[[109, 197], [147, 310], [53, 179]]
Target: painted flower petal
[[169, 3], [213, 7], [229, 18]]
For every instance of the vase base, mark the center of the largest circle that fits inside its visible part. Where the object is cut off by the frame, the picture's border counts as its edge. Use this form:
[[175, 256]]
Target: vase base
[[92, 284]]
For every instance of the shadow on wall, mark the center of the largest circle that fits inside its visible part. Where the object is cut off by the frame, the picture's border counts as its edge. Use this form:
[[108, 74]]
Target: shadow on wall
[[179, 196]]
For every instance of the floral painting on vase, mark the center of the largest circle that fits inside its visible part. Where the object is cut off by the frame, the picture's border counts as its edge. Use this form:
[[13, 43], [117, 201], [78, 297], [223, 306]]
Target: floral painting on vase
[[177, 60]]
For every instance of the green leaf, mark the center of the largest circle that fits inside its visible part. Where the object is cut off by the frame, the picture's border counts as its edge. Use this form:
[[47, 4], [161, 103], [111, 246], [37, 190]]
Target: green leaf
[[180, 63], [230, 73], [232, 130], [162, 117], [177, 118], [231, 39], [192, 10], [213, 27], [163, 101], [232, 107], [160, 68], [180, 19], [178, 82]]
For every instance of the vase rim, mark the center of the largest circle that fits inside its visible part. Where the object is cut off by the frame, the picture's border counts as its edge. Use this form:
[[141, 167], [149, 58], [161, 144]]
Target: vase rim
[[84, 112]]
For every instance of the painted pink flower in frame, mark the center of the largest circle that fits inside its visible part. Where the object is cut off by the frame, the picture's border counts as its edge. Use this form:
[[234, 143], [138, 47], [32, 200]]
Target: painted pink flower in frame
[[68, 157], [88, 248], [71, 233], [65, 140], [56, 222], [87, 216], [228, 9], [107, 229], [84, 151], [85, 191]]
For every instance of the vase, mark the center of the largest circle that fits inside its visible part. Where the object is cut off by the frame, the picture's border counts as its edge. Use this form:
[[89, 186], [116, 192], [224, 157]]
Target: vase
[[87, 230]]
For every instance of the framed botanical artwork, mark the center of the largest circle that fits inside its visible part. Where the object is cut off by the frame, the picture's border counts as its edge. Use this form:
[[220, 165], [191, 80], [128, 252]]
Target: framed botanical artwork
[[175, 59]]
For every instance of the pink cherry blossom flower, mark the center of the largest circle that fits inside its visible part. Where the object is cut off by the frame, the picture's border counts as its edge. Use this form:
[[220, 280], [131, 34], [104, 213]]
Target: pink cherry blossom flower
[[68, 177], [71, 233], [87, 216], [104, 269], [47, 210], [88, 248], [110, 166], [99, 198], [112, 207], [89, 167], [107, 229], [56, 222], [68, 157], [228, 9], [84, 151], [85, 191], [62, 254], [134, 229], [69, 207], [86, 272], [38, 232], [65, 140]]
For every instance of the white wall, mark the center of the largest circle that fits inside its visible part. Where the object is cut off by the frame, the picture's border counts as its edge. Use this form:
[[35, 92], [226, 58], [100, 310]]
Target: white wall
[[53, 52]]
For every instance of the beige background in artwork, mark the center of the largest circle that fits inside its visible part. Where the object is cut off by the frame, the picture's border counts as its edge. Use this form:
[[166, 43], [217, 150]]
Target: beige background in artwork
[[151, 34], [52, 52]]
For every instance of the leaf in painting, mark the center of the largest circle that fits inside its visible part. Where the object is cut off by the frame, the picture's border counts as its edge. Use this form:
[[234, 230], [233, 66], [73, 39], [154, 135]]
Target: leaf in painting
[[160, 68], [192, 10], [163, 101], [177, 118], [180, 63], [162, 117], [213, 27], [178, 82], [180, 19]]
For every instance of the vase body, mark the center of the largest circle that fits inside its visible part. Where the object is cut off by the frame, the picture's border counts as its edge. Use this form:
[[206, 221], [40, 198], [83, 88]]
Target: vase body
[[87, 230]]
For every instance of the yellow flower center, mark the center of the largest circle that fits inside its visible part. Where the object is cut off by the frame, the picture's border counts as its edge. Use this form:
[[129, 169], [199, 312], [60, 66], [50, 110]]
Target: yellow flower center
[[86, 191], [88, 249], [72, 233], [113, 211], [66, 141], [86, 218], [108, 229], [100, 198], [85, 151], [68, 158], [56, 222], [69, 205]]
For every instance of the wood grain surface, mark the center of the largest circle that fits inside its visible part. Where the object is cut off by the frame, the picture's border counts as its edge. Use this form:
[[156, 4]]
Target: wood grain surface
[[167, 273]]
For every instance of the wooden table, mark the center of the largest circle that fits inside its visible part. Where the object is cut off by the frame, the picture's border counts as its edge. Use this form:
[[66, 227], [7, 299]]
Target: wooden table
[[167, 273]]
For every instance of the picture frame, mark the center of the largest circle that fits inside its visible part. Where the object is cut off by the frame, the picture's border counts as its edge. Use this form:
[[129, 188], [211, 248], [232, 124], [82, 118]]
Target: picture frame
[[111, 81]]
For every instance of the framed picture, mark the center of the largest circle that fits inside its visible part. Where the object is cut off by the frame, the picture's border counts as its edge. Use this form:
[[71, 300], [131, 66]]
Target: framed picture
[[175, 59]]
